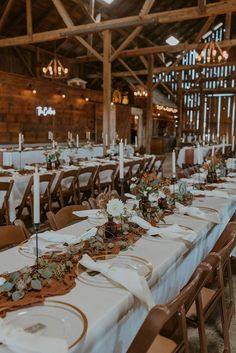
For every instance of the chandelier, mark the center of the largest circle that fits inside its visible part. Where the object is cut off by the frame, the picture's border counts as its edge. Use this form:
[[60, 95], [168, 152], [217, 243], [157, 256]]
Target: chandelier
[[140, 92], [55, 69], [212, 54]]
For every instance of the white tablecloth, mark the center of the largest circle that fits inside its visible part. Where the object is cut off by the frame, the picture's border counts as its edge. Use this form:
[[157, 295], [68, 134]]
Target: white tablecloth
[[20, 159], [113, 314], [203, 152]]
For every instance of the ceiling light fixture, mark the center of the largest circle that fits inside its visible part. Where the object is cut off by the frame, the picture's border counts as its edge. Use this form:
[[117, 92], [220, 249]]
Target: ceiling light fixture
[[212, 54], [172, 40], [55, 69]]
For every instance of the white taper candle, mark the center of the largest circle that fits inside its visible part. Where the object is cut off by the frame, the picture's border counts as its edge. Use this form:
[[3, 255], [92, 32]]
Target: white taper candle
[[121, 159], [173, 164], [36, 197]]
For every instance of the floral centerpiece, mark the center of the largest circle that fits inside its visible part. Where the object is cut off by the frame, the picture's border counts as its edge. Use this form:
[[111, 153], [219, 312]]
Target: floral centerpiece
[[215, 166], [153, 195], [52, 158]]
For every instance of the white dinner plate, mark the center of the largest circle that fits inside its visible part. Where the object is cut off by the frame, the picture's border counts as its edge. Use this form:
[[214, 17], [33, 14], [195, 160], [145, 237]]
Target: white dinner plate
[[141, 265], [96, 213], [61, 320]]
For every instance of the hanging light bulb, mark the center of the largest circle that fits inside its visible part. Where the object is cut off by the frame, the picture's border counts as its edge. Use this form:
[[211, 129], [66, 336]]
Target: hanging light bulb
[[55, 70], [212, 54]]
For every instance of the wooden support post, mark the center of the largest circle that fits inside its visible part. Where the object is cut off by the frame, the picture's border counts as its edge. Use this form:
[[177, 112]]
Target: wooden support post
[[180, 107], [106, 84], [29, 18], [149, 122], [201, 106]]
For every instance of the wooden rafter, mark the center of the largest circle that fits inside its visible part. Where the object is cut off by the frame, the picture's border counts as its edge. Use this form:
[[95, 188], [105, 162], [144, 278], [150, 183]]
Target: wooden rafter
[[198, 37], [185, 14], [29, 22], [69, 23], [6, 13], [156, 70], [171, 49], [145, 10]]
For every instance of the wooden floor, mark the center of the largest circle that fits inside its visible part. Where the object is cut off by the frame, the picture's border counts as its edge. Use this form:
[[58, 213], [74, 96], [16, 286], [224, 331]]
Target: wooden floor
[[215, 342]]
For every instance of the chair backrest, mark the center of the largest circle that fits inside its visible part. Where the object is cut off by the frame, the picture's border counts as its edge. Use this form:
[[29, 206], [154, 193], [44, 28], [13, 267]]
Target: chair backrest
[[64, 216], [6, 187], [161, 315], [46, 181], [69, 179], [25, 197], [136, 168], [189, 156], [86, 177], [11, 235], [106, 175]]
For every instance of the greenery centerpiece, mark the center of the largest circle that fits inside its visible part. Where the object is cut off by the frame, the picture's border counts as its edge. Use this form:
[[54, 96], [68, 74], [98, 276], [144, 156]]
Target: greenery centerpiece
[[52, 158]]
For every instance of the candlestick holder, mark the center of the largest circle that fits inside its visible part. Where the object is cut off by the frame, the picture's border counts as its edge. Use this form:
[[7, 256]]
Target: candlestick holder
[[122, 182], [36, 229], [173, 182]]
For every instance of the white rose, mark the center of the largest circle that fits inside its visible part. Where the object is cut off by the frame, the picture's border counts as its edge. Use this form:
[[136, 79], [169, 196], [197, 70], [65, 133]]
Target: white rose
[[132, 186], [153, 197], [149, 188], [115, 208]]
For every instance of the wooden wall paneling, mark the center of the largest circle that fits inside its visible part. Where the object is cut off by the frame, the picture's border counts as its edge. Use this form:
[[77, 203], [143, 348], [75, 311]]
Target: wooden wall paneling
[[123, 122]]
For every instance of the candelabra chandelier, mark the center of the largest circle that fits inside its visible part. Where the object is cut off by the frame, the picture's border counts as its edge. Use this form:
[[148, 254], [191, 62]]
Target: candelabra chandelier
[[55, 69], [212, 54], [141, 92]]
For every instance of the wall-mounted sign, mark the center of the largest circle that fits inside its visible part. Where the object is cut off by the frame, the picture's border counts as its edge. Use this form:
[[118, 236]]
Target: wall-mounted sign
[[45, 111]]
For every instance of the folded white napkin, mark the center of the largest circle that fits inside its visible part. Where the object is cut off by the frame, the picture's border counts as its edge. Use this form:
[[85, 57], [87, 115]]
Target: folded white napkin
[[199, 176], [127, 278], [19, 341], [172, 232], [29, 167], [232, 174], [225, 185], [2, 281], [130, 196], [196, 212], [56, 237], [230, 179], [215, 193], [189, 180]]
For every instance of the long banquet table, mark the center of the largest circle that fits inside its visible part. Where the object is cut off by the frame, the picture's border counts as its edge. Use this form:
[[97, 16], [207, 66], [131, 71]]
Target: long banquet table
[[19, 159], [203, 150], [114, 316]]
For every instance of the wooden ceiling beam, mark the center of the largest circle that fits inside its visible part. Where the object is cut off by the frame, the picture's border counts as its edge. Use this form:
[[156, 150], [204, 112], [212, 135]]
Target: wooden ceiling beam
[[185, 14], [29, 21], [144, 10], [172, 49], [6, 13], [69, 23], [228, 22], [157, 70]]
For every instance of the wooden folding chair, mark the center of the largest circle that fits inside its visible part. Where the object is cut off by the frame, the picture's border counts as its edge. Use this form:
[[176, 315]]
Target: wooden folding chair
[[68, 187], [11, 235], [164, 330], [189, 156], [86, 180], [105, 177], [5, 189], [64, 217], [25, 202], [213, 293], [46, 181]]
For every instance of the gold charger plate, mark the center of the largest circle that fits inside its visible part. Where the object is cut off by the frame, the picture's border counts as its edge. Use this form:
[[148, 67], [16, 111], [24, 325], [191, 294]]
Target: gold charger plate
[[59, 319]]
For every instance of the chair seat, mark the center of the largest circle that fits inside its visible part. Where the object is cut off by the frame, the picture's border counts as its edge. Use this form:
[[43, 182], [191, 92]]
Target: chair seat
[[206, 295], [162, 344]]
